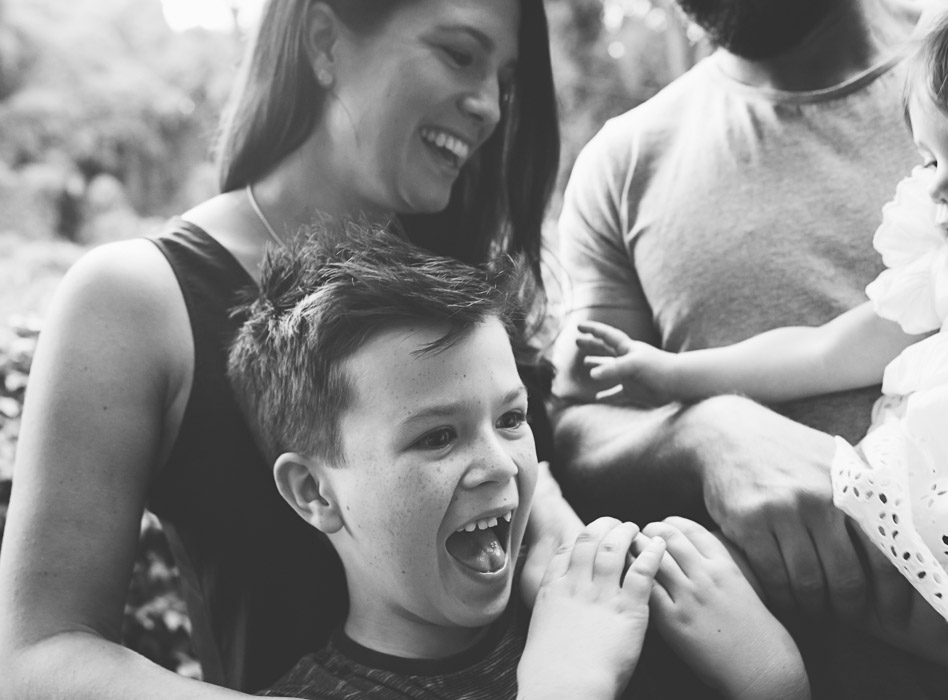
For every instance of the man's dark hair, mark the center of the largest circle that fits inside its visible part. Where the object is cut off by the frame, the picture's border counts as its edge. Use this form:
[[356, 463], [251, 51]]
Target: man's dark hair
[[322, 299]]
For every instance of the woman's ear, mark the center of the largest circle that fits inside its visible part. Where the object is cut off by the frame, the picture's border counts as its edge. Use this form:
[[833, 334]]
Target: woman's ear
[[321, 35], [306, 485]]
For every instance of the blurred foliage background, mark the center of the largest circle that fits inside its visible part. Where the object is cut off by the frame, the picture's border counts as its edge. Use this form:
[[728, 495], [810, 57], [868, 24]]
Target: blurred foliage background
[[106, 120]]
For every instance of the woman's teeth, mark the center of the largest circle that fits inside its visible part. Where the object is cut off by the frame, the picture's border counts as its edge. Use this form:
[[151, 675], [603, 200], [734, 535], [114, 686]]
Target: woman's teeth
[[485, 523], [441, 139]]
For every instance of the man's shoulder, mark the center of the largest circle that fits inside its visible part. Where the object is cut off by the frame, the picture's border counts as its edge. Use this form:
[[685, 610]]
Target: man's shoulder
[[644, 130], [664, 109]]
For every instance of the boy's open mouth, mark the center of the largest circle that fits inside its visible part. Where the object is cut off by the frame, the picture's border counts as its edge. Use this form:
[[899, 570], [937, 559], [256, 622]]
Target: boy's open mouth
[[482, 545]]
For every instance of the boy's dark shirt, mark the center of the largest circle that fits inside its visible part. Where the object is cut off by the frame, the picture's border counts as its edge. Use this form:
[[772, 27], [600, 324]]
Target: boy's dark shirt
[[345, 670]]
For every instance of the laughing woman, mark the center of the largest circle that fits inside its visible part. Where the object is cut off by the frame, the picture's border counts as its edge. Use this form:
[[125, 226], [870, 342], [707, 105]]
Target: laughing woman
[[438, 112]]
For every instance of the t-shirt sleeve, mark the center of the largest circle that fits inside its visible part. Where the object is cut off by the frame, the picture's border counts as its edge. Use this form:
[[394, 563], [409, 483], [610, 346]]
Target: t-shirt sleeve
[[594, 224]]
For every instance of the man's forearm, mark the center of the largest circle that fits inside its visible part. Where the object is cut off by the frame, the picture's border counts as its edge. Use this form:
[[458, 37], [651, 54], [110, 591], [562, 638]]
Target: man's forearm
[[634, 464]]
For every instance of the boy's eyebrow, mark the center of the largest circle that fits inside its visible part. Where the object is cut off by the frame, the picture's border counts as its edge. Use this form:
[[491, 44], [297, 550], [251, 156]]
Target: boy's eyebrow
[[448, 409]]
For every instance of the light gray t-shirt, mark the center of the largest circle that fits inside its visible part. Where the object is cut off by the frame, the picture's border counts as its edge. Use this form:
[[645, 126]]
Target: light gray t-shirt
[[717, 211]]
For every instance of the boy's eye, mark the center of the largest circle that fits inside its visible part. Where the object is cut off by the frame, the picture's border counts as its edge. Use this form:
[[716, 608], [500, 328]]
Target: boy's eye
[[436, 439], [512, 420]]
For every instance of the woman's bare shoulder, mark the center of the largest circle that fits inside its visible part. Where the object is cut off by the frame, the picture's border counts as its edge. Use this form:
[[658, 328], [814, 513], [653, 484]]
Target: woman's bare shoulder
[[123, 292]]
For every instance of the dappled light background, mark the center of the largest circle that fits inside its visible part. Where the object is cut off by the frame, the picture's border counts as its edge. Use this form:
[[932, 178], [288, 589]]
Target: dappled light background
[[107, 112]]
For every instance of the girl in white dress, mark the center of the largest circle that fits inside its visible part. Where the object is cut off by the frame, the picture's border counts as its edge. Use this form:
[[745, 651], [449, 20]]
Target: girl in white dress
[[894, 484]]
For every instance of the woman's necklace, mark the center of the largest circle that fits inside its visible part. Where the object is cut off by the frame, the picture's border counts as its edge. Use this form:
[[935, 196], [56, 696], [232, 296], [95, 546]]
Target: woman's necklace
[[263, 219]]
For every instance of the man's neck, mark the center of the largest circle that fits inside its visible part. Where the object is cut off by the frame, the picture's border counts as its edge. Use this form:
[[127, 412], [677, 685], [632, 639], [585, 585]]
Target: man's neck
[[850, 40]]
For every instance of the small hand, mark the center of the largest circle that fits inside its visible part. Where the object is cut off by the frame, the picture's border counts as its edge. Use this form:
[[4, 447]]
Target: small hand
[[589, 622], [711, 617], [640, 371]]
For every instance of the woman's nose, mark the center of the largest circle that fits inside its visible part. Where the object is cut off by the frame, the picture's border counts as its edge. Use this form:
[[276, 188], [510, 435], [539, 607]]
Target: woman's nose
[[484, 103]]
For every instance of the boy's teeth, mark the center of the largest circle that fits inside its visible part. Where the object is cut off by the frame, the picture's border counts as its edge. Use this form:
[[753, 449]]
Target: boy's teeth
[[485, 523]]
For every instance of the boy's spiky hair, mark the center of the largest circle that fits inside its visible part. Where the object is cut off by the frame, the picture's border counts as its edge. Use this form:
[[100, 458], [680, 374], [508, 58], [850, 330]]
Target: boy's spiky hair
[[322, 299]]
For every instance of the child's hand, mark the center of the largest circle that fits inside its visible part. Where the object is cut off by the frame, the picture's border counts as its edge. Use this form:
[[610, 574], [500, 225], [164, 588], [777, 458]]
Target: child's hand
[[589, 622], [711, 617], [642, 372]]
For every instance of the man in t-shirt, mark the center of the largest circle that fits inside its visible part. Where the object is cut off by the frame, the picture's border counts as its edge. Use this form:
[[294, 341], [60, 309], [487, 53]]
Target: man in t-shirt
[[743, 197]]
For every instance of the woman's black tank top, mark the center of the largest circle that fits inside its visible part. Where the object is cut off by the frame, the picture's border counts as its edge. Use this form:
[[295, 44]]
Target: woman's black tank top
[[262, 588]]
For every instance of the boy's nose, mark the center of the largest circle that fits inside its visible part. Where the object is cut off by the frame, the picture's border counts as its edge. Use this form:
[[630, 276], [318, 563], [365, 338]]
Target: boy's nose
[[491, 463]]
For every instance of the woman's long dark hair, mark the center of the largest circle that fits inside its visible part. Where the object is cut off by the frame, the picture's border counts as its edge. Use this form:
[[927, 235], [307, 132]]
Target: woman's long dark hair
[[497, 204]]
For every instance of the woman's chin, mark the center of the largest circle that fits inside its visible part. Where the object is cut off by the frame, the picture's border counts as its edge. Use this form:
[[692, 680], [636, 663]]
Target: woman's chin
[[426, 199]]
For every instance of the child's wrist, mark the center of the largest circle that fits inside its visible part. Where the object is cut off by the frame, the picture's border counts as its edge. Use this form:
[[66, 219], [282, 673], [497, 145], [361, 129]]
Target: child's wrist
[[782, 680], [554, 687]]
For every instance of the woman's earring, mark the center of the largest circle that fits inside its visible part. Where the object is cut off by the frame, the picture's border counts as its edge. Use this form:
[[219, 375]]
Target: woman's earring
[[324, 78]]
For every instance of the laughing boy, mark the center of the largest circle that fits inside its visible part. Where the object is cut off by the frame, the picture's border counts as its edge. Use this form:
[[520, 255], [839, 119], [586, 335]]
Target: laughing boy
[[382, 384]]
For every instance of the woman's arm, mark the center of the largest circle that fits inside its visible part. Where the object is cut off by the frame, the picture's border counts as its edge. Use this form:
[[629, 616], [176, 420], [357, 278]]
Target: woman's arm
[[110, 374], [783, 364], [552, 524]]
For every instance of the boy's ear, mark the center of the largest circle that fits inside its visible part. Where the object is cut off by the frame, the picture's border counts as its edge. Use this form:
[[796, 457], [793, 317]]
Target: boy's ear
[[304, 484], [321, 35]]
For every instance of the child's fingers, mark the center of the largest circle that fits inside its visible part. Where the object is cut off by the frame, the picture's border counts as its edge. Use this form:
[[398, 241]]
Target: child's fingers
[[593, 362], [593, 346], [559, 564], [638, 579], [671, 573], [608, 393], [610, 335], [586, 547], [706, 543], [613, 552], [659, 598], [679, 545]]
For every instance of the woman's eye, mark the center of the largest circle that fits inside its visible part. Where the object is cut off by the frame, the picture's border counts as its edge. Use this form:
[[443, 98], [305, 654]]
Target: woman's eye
[[460, 58], [512, 420], [436, 439]]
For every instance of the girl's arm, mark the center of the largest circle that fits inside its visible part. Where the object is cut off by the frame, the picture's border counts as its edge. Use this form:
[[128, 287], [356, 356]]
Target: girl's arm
[[850, 351], [112, 368]]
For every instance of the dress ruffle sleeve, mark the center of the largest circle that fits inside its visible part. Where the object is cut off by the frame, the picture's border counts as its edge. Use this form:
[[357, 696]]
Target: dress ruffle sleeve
[[895, 483], [913, 290]]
